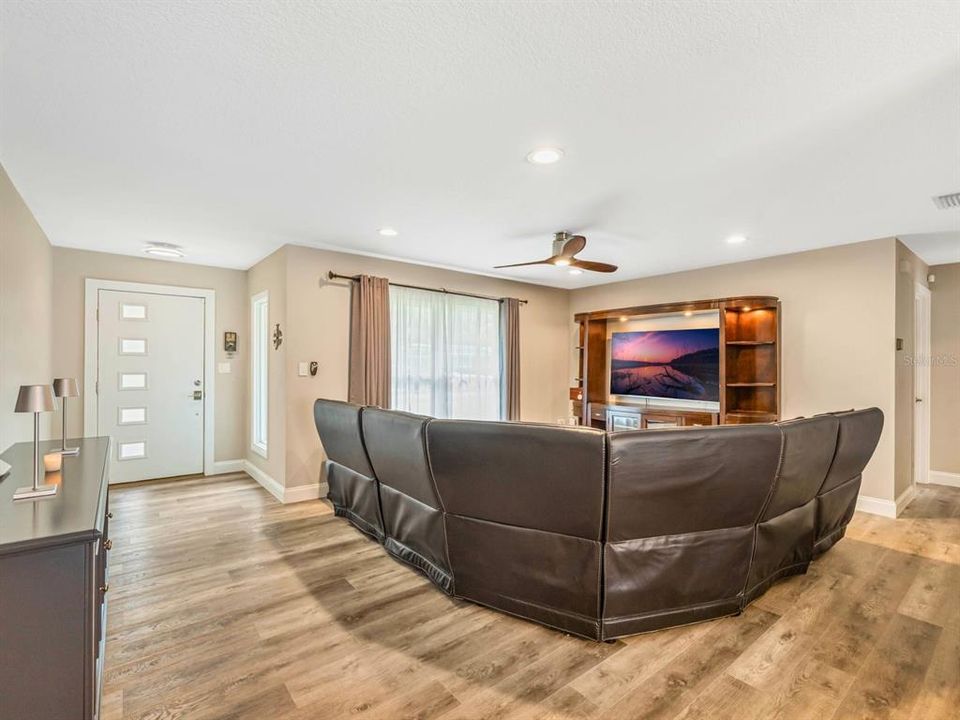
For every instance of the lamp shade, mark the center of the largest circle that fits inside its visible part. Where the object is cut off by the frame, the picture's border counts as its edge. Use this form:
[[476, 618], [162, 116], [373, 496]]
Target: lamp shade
[[66, 387], [35, 398]]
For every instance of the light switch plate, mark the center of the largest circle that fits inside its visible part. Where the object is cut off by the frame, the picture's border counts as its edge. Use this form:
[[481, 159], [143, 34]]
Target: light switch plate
[[303, 369], [224, 368]]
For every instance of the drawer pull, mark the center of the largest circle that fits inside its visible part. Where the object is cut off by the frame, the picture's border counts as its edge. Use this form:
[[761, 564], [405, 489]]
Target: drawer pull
[[108, 545], [105, 588]]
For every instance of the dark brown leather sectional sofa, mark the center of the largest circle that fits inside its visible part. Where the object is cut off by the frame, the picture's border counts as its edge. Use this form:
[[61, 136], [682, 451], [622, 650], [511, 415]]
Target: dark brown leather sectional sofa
[[600, 535]]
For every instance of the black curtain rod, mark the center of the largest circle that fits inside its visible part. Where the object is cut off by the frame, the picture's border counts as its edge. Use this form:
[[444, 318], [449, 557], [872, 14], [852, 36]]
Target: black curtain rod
[[337, 276]]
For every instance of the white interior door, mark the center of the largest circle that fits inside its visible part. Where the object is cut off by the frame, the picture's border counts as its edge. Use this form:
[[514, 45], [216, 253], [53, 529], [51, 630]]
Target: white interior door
[[150, 383], [921, 385]]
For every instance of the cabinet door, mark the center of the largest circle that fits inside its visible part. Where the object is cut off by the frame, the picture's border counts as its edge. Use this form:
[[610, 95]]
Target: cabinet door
[[619, 422], [696, 419], [659, 420]]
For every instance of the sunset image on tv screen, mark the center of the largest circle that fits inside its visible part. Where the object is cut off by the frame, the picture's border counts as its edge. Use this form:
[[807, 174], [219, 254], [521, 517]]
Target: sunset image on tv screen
[[675, 364]]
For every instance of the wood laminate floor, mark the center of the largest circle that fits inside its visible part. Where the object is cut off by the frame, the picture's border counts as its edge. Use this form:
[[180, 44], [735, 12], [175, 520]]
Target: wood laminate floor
[[226, 604]]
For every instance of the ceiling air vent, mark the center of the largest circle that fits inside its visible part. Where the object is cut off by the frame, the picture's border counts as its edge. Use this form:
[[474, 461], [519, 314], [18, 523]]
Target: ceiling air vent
[[947, 201]]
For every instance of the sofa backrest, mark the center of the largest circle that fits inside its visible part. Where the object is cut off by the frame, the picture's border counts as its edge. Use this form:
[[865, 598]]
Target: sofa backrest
[[412, 514], [338, 425], [396, 444], [808, 449], [536, 476], [857, 438], [675, 481], [524, 517], [858, 432]]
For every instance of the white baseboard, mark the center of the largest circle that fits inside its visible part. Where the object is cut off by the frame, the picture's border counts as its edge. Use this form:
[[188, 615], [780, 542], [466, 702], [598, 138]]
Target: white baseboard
[[939, 477], [301, 493], [886, 508], [222, 467], [284, 495], [905, 498], [877, 506], [268, 483]]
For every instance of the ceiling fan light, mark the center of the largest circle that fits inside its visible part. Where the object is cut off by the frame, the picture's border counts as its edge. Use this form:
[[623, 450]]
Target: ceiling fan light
[[562, 262]]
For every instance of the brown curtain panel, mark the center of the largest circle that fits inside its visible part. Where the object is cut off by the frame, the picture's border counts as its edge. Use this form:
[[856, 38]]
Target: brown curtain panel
[[370, 341], [510, 363]]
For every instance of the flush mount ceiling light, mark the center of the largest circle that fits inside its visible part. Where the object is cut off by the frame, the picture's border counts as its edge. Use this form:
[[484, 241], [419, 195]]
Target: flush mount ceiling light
[[544, 156], [388, 232], [736, 239], [575, 271], [164, 250]]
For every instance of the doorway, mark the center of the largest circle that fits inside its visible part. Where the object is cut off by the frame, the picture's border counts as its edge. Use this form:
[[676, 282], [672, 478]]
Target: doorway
[[921, 384], [148, 378]]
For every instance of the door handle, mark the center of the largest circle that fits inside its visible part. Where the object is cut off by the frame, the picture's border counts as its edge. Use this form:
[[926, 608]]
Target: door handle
[[198, 395], [918, 399]]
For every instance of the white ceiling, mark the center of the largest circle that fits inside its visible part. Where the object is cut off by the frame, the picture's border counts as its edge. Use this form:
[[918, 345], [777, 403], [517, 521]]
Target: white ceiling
[[935, 248], [233, 128]]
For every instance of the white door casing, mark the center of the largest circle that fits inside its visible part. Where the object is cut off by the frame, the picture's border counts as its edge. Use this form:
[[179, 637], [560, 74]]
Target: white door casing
[[170, 358], [921, 384]]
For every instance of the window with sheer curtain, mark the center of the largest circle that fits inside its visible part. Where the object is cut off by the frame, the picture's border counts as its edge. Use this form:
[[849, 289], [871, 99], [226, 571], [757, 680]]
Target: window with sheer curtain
[[445, 352]]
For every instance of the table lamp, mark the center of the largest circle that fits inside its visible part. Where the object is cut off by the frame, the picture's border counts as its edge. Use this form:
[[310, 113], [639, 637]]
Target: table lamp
[[35, 399], [64, 388]]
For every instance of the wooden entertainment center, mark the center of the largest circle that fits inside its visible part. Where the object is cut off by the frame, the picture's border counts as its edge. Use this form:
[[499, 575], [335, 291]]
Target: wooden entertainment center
[[749, 367]]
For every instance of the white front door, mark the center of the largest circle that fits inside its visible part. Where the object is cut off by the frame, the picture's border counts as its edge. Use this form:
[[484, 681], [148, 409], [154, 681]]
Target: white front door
[[150, 383]]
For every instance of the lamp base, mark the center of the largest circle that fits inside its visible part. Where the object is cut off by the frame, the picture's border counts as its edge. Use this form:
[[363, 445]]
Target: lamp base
[[69, 451], [28, 493]]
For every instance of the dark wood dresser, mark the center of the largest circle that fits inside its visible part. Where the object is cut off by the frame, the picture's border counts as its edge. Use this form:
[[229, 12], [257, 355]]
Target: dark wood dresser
[[53, 582]]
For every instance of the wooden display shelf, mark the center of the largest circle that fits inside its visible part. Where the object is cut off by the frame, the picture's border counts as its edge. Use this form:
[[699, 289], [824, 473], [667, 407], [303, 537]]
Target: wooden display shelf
[[743, 417], [749, 354]]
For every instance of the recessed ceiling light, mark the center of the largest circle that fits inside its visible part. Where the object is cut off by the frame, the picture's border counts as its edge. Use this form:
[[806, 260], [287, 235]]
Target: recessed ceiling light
[[388, 232], [545, 156], [688, 313], [736, 239], [165, 250], [623, 318], [575, 271]]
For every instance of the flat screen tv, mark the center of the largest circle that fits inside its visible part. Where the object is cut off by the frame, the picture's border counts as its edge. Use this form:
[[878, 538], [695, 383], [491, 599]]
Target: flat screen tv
[[672, 364]]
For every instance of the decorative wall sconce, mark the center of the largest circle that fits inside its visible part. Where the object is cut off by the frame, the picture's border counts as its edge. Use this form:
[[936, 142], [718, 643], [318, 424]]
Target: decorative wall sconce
[[277, 338], [230, 342]]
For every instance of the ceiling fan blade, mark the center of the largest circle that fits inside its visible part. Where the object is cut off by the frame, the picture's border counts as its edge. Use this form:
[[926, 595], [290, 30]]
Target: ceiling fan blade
[[572, 246], [593, 266], [548, 261]]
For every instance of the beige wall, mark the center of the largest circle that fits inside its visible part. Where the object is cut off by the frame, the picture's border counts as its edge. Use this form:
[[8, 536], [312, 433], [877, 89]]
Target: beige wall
[[945, 371], [270, 274], [318, 323], [837, 328], [70, 270], [911, 270], [26, 313]]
